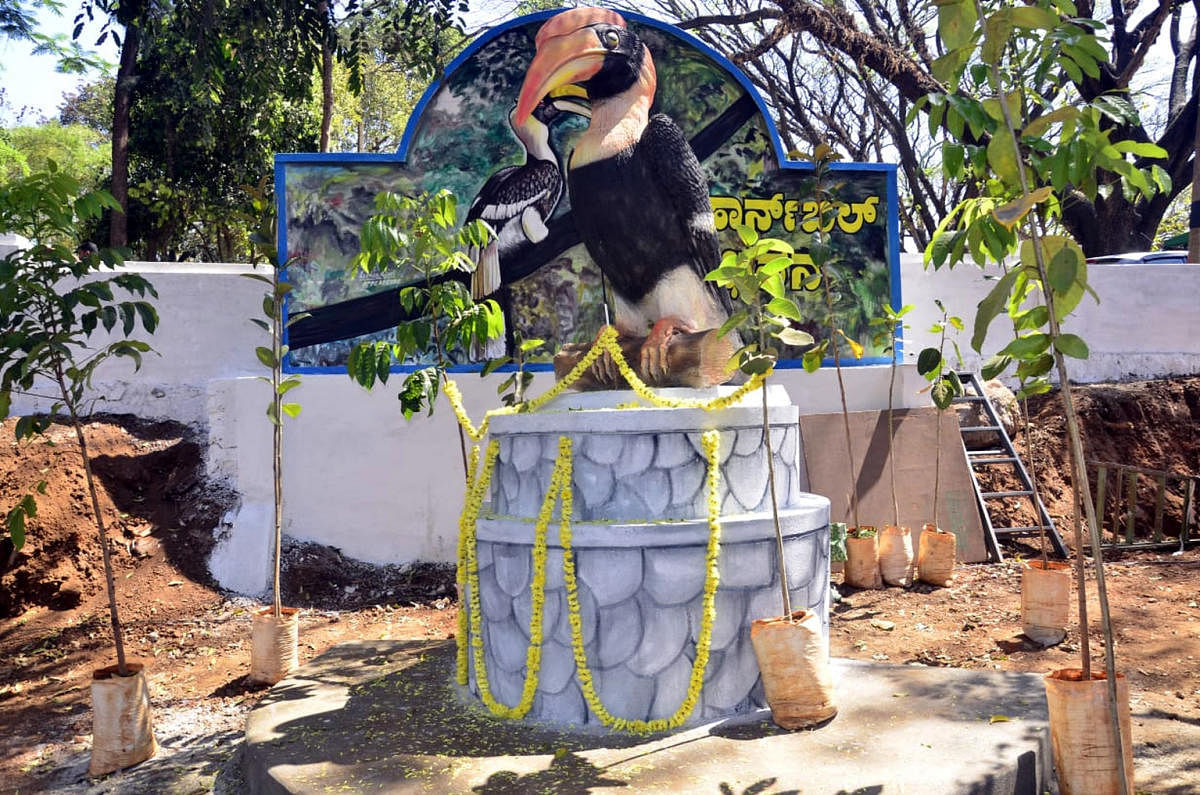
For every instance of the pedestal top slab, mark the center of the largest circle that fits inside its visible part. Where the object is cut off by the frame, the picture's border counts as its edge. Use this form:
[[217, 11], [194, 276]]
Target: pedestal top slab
[[598, 412]]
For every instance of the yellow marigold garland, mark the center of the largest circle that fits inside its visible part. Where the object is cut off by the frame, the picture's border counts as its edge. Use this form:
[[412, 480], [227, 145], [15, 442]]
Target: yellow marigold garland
[[560, 485], [560, 479], [711, 443], [477, 484], [607, 341]]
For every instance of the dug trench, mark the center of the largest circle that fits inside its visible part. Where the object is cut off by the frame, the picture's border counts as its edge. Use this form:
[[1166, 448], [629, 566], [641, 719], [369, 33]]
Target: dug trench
[[193, 637]]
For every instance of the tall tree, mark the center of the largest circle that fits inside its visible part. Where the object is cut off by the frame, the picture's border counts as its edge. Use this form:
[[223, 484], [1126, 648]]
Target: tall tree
[[888, 50], [381, 75], [132, 16], [221, 90]]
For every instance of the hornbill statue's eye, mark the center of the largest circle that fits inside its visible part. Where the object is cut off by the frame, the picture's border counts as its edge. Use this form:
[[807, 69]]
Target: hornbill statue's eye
[[609, 39]]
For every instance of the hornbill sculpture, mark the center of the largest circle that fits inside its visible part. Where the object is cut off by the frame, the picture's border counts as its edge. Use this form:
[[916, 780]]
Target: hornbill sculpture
[[639, 199], [517, 201]]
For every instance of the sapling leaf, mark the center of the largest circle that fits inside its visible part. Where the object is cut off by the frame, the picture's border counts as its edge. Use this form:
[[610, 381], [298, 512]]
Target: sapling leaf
[[855, 346], [291, 409], [287, 385], [1071, 345], [16, 527], [147, 314], [1002, 157], [1010, 214], [929, 361], [794, 337], [492, 365], [785, 307], [1031, 319], [991, 306], [774, 286], [1038, 386], [383, 362], [758, 364], [1027, 346], [1035, 368], [364, 370], [1062, 270], [776, 265], [995, 366], [942, 394]]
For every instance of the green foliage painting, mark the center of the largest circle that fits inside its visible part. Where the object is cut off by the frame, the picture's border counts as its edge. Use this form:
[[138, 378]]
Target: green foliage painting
[[461, 135]]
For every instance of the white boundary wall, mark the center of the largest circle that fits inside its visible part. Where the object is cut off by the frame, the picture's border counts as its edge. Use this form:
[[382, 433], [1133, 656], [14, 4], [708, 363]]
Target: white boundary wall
[[360, 478]]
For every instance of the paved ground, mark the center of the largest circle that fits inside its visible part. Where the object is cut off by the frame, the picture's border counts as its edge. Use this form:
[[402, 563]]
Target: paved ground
[[385, 716]]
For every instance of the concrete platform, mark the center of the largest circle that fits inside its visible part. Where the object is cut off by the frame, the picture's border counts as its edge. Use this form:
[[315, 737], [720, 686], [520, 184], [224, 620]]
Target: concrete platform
[[385, 716]]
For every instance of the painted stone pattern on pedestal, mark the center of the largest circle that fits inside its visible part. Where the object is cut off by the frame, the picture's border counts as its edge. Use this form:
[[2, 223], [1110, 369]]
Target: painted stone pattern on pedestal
[[639, 534]]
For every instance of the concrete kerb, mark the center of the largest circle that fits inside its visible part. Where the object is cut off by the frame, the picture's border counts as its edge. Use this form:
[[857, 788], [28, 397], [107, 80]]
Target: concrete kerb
[[386, 716]]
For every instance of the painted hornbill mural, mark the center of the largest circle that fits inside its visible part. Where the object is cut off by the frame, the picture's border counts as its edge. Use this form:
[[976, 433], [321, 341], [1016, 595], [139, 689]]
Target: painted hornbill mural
[[639, 199], [517, 201], [381, 310]]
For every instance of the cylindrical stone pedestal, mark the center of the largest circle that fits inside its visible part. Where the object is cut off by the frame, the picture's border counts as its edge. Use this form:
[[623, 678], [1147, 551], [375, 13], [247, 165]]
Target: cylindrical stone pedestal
[[639, 533]]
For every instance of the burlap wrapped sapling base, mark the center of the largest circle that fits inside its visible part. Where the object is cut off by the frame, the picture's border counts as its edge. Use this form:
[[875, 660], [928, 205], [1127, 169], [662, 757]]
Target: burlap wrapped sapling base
[[122, 721], [895, 555], [793, 658], [274, 644], [862, 562], [937, 553], [1045, 601], [1085, 753]]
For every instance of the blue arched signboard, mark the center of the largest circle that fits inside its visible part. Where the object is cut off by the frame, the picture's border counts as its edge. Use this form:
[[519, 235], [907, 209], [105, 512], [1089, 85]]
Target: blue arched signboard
[[461, 134]]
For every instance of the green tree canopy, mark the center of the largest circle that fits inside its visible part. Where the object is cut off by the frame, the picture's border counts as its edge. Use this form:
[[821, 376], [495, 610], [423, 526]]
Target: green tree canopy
[[79, 151]]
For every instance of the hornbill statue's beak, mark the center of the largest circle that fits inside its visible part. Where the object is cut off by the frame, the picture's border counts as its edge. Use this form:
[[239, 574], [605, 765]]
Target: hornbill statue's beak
[[568, 53]]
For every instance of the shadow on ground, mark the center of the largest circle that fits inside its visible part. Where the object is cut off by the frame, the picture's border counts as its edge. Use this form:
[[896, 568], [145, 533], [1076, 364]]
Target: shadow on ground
[[372, 714]]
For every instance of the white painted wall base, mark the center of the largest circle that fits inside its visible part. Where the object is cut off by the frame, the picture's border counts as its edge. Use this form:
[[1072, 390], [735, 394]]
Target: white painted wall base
[[240, 455]]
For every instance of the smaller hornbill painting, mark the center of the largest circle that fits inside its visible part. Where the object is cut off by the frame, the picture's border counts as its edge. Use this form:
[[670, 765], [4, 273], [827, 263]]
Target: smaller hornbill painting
[[593, 143]]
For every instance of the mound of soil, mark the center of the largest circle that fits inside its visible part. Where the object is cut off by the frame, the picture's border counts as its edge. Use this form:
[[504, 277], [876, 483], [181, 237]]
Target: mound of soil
[[320, 577], [150, 487], [1153, 425]]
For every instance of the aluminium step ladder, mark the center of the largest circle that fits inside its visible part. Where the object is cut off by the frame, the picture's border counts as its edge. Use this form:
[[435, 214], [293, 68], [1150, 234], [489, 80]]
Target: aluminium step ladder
[[1003, 454]]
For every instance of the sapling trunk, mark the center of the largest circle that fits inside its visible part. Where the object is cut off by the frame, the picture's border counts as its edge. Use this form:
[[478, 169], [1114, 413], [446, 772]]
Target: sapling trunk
[[277, 446], [892, 434], [937, 435], [441, 360], [1033, 479], [1079, 481], [837, 366], [782, 564], [69, 402], [937, 467], [1082, 492]]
